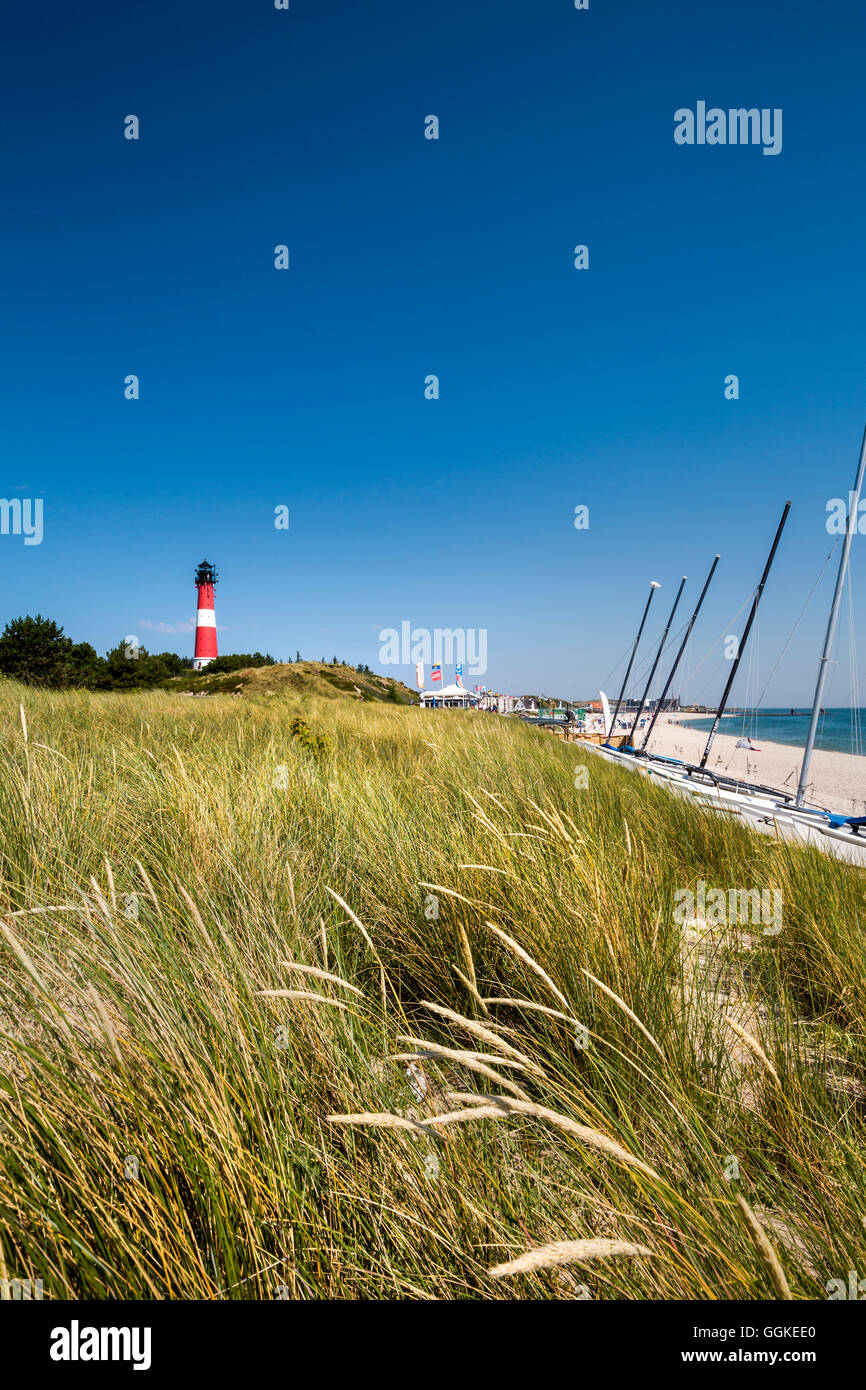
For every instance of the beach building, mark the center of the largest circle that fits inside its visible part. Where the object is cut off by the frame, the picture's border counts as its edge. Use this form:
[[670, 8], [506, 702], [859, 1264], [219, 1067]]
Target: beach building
[[449, 697]]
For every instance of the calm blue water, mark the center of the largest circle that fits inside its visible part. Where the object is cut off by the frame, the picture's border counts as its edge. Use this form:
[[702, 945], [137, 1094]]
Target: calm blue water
[[838, 729]]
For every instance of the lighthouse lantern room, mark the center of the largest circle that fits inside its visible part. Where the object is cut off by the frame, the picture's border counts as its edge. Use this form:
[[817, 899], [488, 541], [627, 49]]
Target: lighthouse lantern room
[[205, 623]]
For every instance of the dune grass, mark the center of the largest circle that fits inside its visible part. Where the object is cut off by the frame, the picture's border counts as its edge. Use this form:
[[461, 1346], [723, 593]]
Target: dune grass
[[313, 999]]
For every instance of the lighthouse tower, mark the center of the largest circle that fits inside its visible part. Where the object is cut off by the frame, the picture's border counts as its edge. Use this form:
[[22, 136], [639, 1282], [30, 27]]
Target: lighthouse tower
[[205, 622]]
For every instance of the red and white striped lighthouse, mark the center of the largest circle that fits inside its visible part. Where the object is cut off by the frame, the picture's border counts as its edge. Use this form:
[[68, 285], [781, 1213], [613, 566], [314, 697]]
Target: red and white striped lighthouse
[[205, 621]]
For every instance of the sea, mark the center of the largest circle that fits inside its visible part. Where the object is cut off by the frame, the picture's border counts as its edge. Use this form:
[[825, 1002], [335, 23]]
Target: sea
[[839, 730]]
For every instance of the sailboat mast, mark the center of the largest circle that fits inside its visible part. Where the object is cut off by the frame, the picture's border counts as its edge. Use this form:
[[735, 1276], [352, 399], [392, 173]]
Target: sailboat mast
[[653, 587], [651, 676], [823, 664], [679, 654], [745, 637]]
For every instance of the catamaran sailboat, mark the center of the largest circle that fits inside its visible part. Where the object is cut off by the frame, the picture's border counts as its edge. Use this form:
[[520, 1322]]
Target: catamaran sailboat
[[765, 808]]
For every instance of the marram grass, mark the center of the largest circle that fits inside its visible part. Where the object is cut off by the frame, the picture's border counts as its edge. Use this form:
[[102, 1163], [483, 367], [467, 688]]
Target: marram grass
[[398, 1011]]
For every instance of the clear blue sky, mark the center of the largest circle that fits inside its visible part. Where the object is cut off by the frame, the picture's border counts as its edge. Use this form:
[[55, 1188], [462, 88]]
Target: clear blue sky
[[409, 257]]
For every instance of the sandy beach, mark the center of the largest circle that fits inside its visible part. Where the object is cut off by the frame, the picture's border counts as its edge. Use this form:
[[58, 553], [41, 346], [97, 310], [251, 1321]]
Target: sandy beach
[[838, 780]]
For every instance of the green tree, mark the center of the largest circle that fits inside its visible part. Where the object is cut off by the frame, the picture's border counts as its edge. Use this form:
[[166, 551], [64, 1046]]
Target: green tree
[[175, 665], [85, 669], [35, 651], [130, 667], [123, 667]]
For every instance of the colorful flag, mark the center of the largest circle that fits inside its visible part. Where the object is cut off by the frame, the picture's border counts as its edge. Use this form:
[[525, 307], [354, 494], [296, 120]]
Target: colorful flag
[[435, 674], [419, 674], [459, 670]]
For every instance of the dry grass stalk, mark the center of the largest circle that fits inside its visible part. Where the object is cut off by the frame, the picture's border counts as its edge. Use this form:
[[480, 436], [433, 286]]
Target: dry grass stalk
[[301, 994], [489, 868], [149, 887], [486, 1034], [467, 956], [321, 975], [466, 1059], [765, 1249], [527, 960], [592, 1138], [30, 969], [383, 1121], [110, 877], [566, 1252], [753, 1045], [489, 1111], [626, 1010], [450, 893], [105, 1023], [536, 1008], [455, 1054], [471, 988], [467, 1098], [366, 935]]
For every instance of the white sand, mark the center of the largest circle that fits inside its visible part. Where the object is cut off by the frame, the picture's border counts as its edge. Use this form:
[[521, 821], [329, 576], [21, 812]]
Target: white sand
[[837, 780]]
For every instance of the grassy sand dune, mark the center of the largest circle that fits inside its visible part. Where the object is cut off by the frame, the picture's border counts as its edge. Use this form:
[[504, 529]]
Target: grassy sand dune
[[317, 998], [299, 678]]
